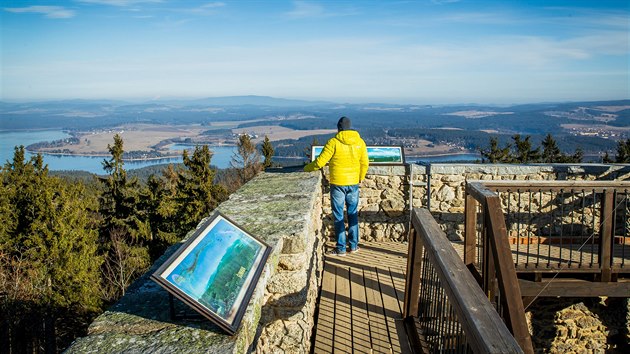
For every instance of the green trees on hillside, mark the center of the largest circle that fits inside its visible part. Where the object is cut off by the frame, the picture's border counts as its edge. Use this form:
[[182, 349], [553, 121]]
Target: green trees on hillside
[[67, 248], [49, 259], [623, 153], [197, 194], [125, 230], [522, 151]]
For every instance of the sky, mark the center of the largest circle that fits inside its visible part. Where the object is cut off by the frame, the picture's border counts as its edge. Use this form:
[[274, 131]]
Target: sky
[[418, 52]]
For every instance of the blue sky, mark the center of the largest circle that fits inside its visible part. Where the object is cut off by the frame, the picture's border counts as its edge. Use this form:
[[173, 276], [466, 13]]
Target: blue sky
[[431, 51]]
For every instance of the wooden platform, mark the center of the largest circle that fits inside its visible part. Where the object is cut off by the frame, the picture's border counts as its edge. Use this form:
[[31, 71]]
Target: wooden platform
[[361, 300]]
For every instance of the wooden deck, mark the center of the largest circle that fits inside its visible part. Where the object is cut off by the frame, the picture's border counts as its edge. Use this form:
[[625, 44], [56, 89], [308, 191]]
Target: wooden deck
[[361, 301]]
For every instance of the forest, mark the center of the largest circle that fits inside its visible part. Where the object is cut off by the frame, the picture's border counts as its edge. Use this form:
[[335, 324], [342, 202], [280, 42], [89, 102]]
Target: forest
[[70, 247]]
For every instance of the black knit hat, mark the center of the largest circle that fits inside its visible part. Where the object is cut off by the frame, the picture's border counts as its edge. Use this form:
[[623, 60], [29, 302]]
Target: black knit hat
[[343, 124]]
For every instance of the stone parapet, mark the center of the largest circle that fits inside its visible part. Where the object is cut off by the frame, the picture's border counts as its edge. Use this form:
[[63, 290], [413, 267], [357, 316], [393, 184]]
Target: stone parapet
[[284, 210], [385, 195]]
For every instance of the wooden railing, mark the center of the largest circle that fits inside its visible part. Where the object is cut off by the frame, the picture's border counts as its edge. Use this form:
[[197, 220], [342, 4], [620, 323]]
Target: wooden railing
[[577, 229], [444, 308]]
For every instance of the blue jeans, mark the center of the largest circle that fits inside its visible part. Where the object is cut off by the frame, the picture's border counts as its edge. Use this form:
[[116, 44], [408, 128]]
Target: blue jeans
[[340, 196]]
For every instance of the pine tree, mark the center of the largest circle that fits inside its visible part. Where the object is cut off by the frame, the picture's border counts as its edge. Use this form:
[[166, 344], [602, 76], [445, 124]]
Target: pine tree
[[494, 154], [125, 228], [577, 156], [606, 158], [523, 150], [49, 266], [267, 152], [159, 201], [71, 249], [623, 151], [197, 193], [118, 201], [551, 152]]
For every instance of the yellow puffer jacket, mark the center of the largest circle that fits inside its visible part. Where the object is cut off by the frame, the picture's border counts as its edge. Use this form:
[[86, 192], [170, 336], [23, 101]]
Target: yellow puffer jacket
[[348, 158]]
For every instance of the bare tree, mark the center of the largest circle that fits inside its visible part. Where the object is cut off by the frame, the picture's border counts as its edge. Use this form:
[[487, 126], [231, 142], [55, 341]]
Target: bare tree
[[123, 264]]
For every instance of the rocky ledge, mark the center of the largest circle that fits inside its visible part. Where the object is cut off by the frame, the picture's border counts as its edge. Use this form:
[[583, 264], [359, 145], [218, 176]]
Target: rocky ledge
[[284, 210]]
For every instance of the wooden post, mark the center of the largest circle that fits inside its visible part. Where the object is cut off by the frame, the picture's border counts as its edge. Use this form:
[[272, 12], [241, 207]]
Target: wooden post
[[506, 273], [490, 274], [412, 278], [470, 230], [606, 234], [485, 331]]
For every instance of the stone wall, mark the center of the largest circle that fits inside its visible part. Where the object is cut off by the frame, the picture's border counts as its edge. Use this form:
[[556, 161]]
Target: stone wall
[[448, 184], [574, 325], [283, 209], [385, 193]]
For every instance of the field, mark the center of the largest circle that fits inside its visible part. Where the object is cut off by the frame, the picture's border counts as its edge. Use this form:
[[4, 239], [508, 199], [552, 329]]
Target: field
[[140, 137], [275, 132], [143, 137]]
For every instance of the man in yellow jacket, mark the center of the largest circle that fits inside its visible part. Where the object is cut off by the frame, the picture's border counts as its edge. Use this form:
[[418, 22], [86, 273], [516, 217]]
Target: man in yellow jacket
[[348, 158]]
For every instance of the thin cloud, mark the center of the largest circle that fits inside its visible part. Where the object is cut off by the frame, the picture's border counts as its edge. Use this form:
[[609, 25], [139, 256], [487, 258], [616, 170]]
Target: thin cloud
[[119, 3], [443, 2], [54, 12], [212, 5], [305, 9], [206, 9]]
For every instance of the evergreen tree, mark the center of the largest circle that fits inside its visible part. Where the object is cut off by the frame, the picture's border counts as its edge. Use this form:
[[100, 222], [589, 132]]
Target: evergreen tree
[[267, 152], [125, 228], [494, 154], [606, 158], [523, 150], [49, 266], [120, 198], [577, 156], [159, 201], [197, 193], [623, 151], [551, 151]]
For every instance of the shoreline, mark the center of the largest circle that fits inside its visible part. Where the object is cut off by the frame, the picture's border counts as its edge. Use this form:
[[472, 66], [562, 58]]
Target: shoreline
[[178, 153], [95, 155]]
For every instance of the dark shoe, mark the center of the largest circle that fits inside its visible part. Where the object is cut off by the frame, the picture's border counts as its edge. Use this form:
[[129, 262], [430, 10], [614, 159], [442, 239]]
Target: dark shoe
[[356, 250], [336, 252]]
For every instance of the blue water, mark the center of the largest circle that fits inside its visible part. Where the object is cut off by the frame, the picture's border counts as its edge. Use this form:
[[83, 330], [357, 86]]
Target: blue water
[[222, 155]]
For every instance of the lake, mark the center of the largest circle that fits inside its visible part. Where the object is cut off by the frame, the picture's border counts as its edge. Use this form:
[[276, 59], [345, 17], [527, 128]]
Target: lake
[[222, 155]]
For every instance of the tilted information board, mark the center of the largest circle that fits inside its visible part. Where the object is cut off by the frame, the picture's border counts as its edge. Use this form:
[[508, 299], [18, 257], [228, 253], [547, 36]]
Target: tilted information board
[[215, 271]]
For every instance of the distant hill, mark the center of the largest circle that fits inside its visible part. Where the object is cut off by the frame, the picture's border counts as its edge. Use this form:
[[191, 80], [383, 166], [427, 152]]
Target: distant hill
[[253, 101], [594, 126]]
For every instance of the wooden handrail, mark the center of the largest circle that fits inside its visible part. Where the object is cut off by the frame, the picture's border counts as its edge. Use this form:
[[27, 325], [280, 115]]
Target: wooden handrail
[[506, 274], [481, 323], [497, 263], [498, 258], [596, 186], [478, 192]]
